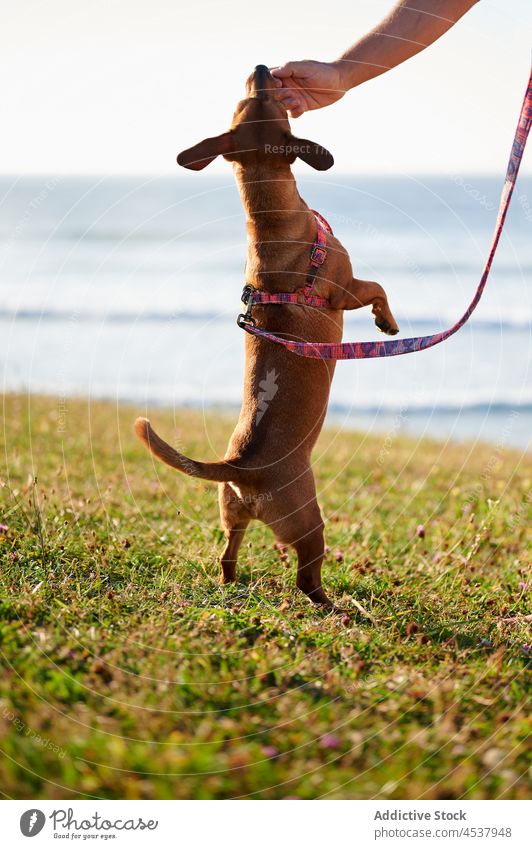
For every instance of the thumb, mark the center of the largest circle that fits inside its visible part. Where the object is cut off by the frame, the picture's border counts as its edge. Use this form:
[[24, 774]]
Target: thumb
[[285, 71]]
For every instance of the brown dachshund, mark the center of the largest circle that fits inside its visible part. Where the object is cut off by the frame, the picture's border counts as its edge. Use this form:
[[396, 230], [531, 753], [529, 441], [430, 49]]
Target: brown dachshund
[[266, 473]]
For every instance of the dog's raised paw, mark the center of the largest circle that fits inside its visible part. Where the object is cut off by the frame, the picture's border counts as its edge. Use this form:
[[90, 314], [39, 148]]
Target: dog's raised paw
[[385, 327]]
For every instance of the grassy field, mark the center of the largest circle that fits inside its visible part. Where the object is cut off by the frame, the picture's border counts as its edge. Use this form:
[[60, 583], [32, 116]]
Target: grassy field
[[128, 671]]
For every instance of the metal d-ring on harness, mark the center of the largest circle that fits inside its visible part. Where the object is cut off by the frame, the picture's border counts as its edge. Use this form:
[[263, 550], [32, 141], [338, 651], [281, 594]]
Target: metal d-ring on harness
[[388, 348]]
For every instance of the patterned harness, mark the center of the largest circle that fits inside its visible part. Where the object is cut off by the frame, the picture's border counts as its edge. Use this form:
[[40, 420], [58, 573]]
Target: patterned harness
[[304, 297], [318, 255]]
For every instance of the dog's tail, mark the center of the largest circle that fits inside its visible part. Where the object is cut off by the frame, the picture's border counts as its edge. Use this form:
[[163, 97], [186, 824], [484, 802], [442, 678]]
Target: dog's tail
[[221, 472]]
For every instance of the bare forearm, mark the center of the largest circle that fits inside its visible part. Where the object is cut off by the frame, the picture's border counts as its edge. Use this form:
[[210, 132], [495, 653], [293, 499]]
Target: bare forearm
[[411, 26]]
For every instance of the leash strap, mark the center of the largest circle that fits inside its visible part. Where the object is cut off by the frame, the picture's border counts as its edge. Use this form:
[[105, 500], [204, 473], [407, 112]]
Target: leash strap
[[394, 347]]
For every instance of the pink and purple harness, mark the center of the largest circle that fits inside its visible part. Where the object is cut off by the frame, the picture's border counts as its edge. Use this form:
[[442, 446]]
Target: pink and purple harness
[[389, 348]]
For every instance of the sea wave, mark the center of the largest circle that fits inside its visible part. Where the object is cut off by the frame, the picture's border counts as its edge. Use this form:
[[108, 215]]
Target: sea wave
[[420, 322], [510, 407]]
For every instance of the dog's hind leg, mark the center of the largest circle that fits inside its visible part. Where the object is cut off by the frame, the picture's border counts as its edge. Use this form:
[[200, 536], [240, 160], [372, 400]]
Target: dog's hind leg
[[235, 519], [234, 538], [310, 550], [301, 526]]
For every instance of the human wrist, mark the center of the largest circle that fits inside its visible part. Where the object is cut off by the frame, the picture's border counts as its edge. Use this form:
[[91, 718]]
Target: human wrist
[[346, 71]]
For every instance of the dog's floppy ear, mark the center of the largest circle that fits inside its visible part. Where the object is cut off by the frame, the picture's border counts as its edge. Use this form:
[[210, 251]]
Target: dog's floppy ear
[[311, 153], [205, 151]]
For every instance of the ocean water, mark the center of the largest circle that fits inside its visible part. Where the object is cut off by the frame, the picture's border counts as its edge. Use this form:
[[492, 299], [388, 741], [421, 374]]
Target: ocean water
[[128, 289]]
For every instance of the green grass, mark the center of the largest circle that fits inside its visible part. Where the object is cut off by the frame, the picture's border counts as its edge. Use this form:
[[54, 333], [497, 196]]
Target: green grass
[[120, 647]]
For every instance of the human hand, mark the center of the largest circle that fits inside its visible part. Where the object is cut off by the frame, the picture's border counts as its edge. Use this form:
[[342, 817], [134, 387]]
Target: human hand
[[306, 85]]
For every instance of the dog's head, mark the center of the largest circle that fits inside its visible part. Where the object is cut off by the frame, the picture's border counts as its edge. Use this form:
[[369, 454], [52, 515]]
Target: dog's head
[[260, 132]]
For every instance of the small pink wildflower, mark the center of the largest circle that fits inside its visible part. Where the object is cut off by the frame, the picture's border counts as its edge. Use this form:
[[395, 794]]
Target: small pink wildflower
[[330, 741], [270, 751]]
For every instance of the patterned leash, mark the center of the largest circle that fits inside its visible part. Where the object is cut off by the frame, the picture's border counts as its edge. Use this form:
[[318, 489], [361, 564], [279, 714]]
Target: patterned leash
[[394, 347]]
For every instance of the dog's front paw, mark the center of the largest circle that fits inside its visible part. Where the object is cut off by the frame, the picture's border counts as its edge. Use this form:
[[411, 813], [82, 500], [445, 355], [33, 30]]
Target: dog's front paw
[[385, 327], [385, 323]]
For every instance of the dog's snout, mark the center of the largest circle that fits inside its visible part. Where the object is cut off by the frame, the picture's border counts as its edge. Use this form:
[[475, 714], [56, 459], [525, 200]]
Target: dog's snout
[[262, 82], [262, 73]]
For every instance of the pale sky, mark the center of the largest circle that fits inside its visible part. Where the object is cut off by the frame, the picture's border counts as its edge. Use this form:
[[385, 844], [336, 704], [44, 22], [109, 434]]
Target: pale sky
[[120, 86]]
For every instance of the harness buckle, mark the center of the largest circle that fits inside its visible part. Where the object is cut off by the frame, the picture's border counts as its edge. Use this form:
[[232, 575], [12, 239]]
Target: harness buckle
[[318, 255], [245, 318], [247, 294]]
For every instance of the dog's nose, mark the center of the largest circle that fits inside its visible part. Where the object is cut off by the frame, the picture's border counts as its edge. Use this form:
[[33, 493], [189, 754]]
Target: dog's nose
[[262, 82]]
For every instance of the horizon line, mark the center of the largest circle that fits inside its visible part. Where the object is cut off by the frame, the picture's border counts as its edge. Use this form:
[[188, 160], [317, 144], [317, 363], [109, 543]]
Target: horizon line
[[181, 173]]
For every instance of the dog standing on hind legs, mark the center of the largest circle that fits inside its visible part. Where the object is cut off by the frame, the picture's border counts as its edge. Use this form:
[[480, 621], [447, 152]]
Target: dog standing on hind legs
[[267, 473]]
